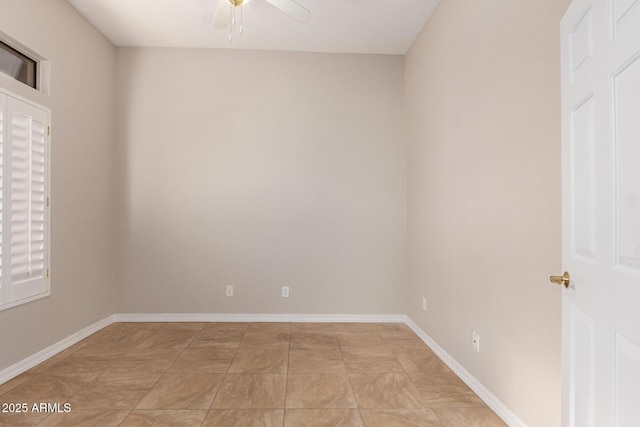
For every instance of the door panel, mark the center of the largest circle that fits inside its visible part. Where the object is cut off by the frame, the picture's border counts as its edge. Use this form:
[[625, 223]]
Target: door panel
[[627, 381], [583, 178], [581, 43], [626, 111], [583, 368], [624, 12]]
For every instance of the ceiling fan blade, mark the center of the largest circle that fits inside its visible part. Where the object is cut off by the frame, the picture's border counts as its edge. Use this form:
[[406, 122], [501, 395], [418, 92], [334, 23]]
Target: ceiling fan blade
[[221, 19], [292, 9]]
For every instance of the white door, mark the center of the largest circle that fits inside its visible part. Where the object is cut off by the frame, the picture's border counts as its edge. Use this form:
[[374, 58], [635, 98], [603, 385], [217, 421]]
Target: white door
[[601, 213]]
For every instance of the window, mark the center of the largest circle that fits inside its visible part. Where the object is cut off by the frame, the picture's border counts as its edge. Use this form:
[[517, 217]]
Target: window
[[18, 65], [24, 200]]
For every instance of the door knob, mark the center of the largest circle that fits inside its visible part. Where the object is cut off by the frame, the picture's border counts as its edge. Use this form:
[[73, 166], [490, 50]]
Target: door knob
[[561, 280]]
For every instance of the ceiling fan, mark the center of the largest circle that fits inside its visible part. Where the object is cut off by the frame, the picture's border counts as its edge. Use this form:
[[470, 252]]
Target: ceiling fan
[[225, 12]]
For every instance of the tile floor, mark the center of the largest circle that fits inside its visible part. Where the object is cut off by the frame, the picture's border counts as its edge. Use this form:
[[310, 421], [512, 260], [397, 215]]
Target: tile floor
[[247, 374]]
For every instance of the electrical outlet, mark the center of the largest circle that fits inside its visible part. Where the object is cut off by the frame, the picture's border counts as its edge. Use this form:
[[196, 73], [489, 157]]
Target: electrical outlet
[[475, 340], [424, 303], [229, 291], [285, 292]]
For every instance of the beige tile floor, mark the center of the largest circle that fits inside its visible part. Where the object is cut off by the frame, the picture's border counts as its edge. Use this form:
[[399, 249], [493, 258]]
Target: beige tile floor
[[247, 374]]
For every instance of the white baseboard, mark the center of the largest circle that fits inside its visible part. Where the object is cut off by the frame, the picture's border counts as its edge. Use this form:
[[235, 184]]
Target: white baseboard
[[39, 357], [489, 398], [210, 317]]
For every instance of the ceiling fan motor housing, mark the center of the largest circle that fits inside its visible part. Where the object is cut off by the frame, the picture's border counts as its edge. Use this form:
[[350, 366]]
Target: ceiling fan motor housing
[[236, 3]]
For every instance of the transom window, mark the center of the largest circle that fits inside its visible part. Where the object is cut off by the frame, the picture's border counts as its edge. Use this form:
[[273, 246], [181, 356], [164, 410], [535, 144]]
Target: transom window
[[18, 65]]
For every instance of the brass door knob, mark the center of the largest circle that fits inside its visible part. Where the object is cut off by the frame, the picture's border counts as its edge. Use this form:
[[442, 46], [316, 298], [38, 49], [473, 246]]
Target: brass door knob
[[561, 280]]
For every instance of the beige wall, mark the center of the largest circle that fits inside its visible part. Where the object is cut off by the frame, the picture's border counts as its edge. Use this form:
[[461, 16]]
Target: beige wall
[[258, 170], [81, 103], [482, 90]]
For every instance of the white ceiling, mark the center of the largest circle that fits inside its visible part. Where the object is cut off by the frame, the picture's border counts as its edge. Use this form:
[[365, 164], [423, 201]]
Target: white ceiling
[[353, 26]]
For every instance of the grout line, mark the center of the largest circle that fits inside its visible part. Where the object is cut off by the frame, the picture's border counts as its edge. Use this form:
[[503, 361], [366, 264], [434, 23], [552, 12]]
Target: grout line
[[286, 378], [226, 373]]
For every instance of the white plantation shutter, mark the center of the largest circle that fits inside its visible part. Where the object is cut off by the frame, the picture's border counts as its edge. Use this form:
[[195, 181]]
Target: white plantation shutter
[[24, 191]]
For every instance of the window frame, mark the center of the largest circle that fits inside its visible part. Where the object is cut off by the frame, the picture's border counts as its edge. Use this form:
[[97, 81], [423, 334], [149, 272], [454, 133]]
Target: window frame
[[6, 299], [43, 65]]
